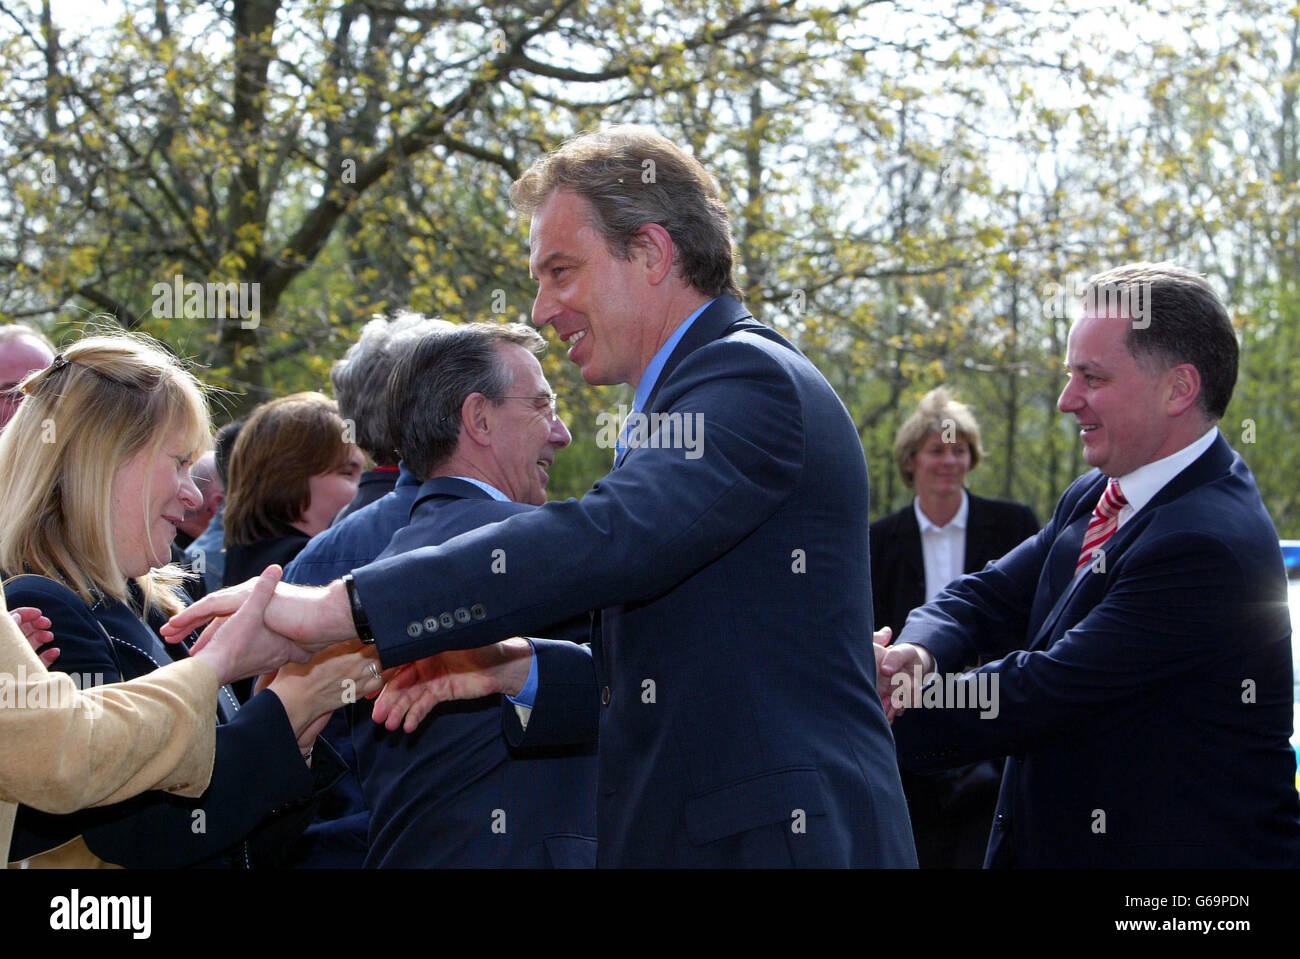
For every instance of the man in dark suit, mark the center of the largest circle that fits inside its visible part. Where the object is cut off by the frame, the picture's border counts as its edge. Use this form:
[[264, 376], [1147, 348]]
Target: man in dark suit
[[944, 532], [471, 410], [729, 673], [1141, 674]]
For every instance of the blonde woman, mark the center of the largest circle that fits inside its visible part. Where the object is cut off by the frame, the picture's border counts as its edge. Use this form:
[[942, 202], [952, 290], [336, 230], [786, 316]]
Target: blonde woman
[[94, 480], [112, 742]]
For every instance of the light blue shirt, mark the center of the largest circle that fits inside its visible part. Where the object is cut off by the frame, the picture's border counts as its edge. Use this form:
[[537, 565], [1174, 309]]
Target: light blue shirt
[[528, 694], [488, 488], [651, 375]]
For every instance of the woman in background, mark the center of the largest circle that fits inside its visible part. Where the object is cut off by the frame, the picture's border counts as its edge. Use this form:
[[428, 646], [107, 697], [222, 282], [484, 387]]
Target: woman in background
[[291, 472], [945, 532]]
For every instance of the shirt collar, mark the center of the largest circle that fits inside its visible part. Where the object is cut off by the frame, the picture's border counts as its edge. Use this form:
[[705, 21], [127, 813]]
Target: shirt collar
[[651, 374], [1141, 485], [957, 522], [488, 488]]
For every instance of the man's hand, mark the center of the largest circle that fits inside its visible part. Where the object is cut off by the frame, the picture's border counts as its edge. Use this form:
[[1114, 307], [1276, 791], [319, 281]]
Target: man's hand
[[36, 627], [418, 687], [240, 645], [311, 617], [899, 672]]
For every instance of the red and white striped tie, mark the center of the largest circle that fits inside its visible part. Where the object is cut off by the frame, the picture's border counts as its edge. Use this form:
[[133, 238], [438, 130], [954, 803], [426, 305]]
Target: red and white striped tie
[[1105, 517]]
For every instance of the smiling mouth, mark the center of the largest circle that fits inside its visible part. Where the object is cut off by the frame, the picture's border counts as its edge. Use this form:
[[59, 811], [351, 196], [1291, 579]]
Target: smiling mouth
[[574, 338]]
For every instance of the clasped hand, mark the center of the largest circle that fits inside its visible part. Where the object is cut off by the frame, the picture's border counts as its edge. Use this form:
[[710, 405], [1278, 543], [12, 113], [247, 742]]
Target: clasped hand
[[900, 670]]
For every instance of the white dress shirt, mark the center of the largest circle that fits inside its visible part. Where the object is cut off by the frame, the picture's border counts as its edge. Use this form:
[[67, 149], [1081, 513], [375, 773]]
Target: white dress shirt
[[1140, 486], [943, 547]]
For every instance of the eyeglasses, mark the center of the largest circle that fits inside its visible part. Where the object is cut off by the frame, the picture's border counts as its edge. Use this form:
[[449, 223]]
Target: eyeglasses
[[550, 399]]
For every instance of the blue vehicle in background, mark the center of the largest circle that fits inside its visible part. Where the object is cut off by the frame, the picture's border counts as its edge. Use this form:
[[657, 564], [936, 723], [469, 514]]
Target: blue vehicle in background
[[1291, 557]]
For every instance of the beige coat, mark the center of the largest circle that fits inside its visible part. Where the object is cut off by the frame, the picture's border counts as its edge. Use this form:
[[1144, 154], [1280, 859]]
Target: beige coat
[[62, 750]]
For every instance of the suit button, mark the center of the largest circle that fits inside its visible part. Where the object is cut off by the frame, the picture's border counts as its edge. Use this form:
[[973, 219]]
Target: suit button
[[462, 615], [477, 611], [431, 624], [414, 629], [447, 620], [604, 695]]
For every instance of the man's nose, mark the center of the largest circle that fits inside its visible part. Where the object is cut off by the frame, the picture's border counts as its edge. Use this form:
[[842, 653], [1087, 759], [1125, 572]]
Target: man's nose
[[542, 311], [1068, 401], [560, 436]]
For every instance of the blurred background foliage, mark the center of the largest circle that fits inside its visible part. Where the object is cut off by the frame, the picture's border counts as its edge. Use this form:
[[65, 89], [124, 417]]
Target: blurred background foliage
[[916, 192]]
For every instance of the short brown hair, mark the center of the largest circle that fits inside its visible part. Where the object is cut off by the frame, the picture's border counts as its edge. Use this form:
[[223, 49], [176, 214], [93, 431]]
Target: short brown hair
[[282, 445], [1185, 322], [938, 412], [631, 176]]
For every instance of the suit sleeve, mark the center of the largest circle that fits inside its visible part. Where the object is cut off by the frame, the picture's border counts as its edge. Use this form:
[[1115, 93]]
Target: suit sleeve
[[67, 749], [256, 768], [567, 709], [644, 528], [981, 615], [1155, 621]]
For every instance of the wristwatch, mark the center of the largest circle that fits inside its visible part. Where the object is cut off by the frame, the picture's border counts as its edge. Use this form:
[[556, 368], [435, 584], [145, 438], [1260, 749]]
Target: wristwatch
[[359, 618]]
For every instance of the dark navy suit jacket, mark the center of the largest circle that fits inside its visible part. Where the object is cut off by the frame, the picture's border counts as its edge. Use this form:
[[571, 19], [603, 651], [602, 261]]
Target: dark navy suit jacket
[[1147, 710], [731, 673], [453, 793], [339, 837], [257, 769]]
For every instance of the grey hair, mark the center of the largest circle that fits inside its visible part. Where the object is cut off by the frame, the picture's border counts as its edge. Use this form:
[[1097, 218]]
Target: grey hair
[[361, 378], [431, 381], [16, 331]]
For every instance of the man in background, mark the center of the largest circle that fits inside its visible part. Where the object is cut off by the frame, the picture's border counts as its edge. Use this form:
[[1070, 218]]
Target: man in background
[[473, 415], [1137, 650], [22, 351]]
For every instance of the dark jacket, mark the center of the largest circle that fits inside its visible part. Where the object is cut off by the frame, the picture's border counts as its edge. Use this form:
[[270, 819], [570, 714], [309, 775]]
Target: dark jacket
[[731, 674], [951, 809], [993, 527], [453, 793], [1145, 706], [257, 772]]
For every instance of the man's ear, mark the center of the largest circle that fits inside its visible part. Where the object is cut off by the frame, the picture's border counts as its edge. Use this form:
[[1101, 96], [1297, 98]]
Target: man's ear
[[474, 419], [1183, 388], [656, 246]]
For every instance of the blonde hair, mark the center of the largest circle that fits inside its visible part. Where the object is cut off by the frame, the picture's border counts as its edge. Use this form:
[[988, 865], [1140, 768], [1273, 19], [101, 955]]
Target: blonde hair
[[101, 401], [939, 412]]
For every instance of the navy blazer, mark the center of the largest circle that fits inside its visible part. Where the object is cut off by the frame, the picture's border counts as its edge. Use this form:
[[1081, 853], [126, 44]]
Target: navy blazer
[[257, 770], [453, 793], [993, 527], [338, 838], [1145, 707], [731, 671]]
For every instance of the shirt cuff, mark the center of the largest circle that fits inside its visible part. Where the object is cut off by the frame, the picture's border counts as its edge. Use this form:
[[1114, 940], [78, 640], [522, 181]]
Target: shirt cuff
[[527, 696]]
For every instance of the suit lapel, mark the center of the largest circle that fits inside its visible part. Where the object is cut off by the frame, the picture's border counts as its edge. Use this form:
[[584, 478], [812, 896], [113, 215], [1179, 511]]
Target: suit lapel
[[724, 313], [1214, 462], [909, 548]]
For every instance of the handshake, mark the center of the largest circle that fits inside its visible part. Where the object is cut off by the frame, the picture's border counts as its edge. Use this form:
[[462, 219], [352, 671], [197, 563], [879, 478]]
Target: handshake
[[262, 624], [900, 671]]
